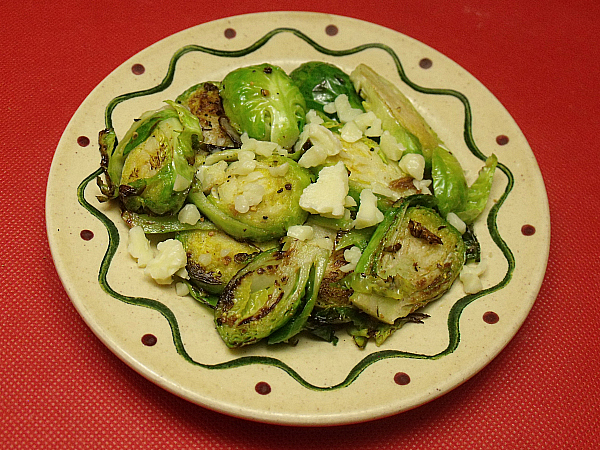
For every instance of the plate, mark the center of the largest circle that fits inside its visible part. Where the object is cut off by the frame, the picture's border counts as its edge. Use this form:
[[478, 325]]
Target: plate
[[171, 340]]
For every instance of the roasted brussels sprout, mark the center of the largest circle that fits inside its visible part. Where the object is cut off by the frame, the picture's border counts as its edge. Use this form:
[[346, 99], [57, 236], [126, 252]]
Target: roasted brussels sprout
[[254, 199], [203, 101], [264, 102], [269, 292], [397, 113], [413, 257], [152, 167], [213, 258], [320, 83]]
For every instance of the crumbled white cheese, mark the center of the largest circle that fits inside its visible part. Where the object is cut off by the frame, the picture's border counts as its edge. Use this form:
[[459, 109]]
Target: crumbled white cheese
[[181, 289], [170, 258], [279, 171], [350, 202], [324, 143], [350, 132], [330, 108], [183, 273], [469, 276], [390, 147], [327, 196], [352, 255], [456, 222], [263, 148], [189, 214], [253, 176], [211, 175], [368, 214], [204, 259], [251, 196], [344, 110], [224, 252], [241, 167], [313, 117], [413, 164], [139, 246], [301, 232]]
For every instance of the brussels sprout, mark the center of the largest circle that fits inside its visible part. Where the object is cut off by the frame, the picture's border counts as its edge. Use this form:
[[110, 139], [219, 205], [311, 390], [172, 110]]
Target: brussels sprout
[[370, 169], [264, 102], [479, 192], [397, 113], [213, 258], [449, 183], [162, 224], [269, 292], [204, 101], [153, 165], [320, 83], [256, 205], [413, 257]]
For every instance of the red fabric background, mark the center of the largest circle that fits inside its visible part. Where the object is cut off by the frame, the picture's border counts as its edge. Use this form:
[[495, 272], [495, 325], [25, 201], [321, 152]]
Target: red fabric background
[[62, 389]]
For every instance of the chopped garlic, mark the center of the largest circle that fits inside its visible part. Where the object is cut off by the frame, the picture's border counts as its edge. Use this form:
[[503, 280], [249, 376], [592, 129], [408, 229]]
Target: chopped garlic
[[456, 222], [368, 214], [328, 195], [301, 232], [170, 258], [181, 183], [330, 108], [422, 186], [350, 202], [189, 214], [413, 164], [352, 255], [204, 259], [139, 247], [313, 117]]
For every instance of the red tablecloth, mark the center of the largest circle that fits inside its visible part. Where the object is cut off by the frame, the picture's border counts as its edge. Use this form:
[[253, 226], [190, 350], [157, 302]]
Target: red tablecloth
[[62, 389]]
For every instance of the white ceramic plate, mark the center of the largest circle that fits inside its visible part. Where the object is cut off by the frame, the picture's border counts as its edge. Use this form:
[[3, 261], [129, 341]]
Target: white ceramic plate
[[314, 383]]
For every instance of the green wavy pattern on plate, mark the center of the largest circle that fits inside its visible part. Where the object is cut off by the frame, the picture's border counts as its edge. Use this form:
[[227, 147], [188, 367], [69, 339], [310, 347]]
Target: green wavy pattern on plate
[[372, 358]]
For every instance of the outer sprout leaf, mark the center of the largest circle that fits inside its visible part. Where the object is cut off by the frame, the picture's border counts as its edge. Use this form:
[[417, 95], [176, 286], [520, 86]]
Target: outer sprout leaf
[[264, 102]]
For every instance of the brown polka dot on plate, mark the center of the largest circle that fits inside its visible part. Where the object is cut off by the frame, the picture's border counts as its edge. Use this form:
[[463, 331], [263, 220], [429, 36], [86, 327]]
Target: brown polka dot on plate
[[138, 69], [425, 63], [86, 235], [262, 388], [149, 340], [230, 33], [491, 317], [331, 30], [528, 230], [401, 378], [83, 141], [502, 139]]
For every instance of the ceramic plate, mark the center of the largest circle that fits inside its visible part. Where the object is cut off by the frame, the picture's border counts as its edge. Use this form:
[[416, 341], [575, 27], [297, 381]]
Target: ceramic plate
[[171, 340]]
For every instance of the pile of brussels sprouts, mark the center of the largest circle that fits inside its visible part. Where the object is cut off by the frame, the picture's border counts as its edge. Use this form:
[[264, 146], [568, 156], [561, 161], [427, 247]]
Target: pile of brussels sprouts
[[302, 202]]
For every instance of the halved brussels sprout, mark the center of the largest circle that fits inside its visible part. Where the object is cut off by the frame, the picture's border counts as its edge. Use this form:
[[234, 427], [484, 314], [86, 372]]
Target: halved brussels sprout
[[152, 167], [213, 257], [264, 102], [397, 113], [413, 257], [203, 101], [256, 205], [268, 293], [320, 84], [369, 169]]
